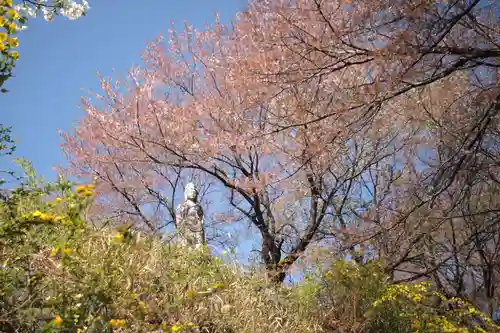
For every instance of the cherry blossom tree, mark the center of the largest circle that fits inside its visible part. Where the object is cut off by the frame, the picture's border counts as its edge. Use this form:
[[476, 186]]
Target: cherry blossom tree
[[427, 66], [193, 111], [353, 123]]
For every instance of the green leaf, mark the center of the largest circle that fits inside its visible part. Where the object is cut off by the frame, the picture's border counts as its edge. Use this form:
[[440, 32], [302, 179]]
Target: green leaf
[[3, 78]]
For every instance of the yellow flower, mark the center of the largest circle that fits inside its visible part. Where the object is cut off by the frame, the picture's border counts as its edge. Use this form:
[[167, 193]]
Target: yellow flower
[[86, 193], [10, 27], [58, 321], [37, 213], [191, 293], [416, 298], [46, 217], [2, 21], [118, 323], [118, 237], [2, 47], [218, 285], [54, 251], [13, 14], [7, 3], [80, 189], [68, 250], [143, 306], [58, 199], [176, 328]]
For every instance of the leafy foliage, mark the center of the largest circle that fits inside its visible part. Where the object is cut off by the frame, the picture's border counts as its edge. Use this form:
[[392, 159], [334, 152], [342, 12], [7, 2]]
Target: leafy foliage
[[363, 299], [59, 274], [7, 148], [10, 21]]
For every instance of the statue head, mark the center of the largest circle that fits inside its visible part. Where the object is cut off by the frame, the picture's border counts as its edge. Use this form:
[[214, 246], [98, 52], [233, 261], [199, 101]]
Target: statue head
[[190, 192]]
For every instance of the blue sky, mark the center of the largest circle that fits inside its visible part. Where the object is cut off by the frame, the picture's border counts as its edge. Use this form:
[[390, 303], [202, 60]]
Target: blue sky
[[60, 59]]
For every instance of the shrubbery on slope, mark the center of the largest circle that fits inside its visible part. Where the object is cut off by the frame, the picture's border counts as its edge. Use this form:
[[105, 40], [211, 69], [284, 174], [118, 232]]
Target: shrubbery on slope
[[59, 274]]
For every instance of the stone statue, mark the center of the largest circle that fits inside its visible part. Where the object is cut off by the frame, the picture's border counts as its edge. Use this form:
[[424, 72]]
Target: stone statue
[[189, 217]]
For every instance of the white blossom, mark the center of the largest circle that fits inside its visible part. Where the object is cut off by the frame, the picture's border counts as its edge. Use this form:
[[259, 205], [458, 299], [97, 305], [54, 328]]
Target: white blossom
[[25, 10], [73, 10], [47, 14], [67, 8]]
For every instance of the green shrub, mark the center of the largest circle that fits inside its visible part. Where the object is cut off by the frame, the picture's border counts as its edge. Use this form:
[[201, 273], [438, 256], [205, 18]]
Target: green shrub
[[59, 274], [361, 298]]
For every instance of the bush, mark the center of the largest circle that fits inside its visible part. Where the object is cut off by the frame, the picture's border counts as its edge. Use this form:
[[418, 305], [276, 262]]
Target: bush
[[361, 298], [59, 274]]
